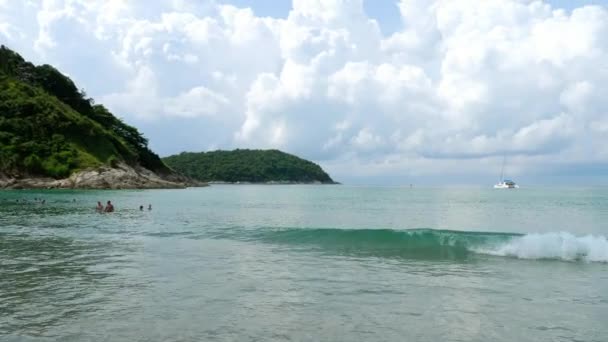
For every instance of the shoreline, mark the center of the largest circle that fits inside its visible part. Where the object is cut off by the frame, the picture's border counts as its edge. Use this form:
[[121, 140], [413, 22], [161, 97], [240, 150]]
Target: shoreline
[[103, 178]]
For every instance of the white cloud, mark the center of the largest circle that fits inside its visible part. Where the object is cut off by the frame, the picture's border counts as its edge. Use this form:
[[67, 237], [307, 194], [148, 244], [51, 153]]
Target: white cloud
[[198, 101], [366, 140], [462, 83]]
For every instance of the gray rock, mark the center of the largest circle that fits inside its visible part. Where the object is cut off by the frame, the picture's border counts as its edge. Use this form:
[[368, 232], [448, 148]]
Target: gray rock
[[121, 177]]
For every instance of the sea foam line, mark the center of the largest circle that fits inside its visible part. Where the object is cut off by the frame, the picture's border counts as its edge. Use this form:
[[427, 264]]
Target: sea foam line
[[562, 246]]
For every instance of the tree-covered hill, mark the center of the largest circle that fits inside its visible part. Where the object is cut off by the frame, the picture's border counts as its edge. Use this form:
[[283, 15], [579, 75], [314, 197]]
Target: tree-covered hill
[[48, 127], [255, 166]]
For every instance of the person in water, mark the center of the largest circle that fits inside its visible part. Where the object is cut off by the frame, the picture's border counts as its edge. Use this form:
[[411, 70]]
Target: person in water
[[141, 208], [99, 207], [149, 206], [109, 207]]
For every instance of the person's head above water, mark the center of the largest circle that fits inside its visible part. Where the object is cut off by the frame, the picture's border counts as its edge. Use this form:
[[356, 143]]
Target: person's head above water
[[141, 207]]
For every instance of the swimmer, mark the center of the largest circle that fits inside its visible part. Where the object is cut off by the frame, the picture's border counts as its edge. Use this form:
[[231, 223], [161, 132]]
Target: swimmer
[[109, 207], [99, 207]]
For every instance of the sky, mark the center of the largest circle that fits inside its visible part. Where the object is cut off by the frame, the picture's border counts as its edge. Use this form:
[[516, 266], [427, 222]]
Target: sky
[[387, 92]]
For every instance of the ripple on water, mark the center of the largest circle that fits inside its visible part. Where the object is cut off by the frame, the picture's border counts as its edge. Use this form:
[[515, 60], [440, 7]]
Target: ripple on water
[[51, 279]]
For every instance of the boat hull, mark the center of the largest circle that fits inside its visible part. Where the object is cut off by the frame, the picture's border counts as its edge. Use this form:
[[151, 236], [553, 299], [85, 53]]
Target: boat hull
[[506, 186]]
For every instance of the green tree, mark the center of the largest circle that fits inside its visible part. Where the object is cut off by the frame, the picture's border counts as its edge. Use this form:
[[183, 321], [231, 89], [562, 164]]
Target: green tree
[[247, 166], [51, 128]]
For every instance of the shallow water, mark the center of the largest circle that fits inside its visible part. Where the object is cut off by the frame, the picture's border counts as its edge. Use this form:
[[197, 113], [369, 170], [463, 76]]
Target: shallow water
[[305, 263]]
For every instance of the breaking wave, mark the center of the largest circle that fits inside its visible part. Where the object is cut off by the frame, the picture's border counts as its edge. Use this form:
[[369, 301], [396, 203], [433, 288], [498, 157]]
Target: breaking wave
[[561, 246], [437, 244]]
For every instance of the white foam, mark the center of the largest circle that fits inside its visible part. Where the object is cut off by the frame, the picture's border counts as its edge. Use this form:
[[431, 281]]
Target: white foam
[[564, 246]]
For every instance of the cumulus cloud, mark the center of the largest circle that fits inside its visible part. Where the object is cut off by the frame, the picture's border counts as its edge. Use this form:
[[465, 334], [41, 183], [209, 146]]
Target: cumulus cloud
[[462, 82]]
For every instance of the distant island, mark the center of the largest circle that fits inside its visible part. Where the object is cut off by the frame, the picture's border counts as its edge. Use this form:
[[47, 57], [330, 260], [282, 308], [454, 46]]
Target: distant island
[[53, 136], [248, 166]]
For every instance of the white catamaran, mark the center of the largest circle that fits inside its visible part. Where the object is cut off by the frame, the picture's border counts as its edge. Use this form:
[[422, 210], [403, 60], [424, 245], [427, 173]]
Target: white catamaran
[[505, 183]]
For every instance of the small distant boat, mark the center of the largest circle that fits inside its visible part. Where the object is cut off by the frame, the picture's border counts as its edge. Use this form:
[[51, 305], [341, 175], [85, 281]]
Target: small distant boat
[[505, 183]]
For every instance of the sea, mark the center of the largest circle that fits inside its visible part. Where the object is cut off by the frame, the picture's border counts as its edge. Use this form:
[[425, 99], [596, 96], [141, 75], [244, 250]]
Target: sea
[[305, 263]]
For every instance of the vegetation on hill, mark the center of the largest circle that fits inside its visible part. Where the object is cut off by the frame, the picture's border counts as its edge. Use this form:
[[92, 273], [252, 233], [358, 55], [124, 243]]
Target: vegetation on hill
[[256, 166], [50, 128]]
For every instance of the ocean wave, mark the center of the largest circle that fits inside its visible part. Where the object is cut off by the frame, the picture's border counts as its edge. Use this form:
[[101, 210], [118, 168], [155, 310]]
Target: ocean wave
[[441, 244], [559, 246]]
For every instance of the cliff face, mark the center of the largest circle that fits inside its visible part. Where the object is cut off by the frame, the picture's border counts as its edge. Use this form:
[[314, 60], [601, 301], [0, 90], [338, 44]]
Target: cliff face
[[52, 135]]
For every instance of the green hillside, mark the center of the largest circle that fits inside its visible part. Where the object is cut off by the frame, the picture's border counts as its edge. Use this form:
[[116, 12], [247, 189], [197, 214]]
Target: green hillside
[[50, 128], [255, 166]]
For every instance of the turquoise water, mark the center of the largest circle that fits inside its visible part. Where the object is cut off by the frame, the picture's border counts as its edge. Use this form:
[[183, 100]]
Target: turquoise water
[[305, 263]]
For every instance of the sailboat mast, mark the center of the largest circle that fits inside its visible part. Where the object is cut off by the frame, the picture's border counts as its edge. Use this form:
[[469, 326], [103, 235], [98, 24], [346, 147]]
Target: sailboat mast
[[502, 169]]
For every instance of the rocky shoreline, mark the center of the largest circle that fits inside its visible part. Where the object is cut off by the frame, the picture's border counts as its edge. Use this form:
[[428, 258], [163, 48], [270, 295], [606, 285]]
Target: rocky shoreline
[[272, 183], [121, 177]]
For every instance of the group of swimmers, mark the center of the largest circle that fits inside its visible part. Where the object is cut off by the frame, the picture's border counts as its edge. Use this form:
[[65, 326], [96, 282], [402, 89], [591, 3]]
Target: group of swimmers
[[109, 208], [36, 200]]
